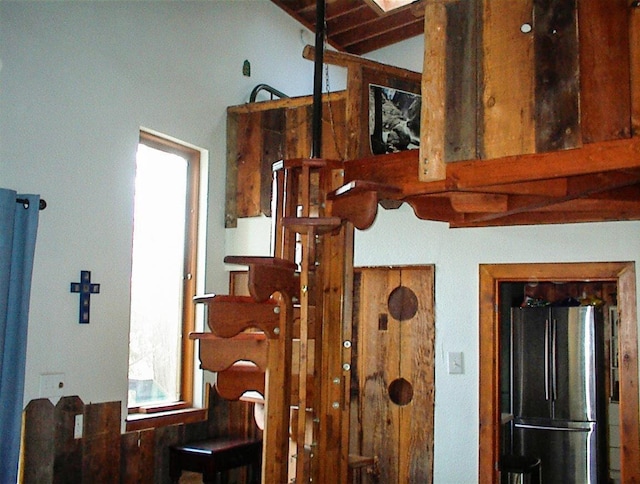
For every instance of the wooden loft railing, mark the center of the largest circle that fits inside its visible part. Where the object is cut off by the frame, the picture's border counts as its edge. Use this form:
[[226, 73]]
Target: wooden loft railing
[[598, 182]]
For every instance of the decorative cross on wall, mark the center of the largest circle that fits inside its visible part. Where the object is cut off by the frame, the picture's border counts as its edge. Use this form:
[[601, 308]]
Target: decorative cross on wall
[[85, 288]]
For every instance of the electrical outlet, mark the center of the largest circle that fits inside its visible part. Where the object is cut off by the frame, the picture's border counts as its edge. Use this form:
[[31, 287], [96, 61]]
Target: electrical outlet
[[51, 385], [77, 426], [456, 363]]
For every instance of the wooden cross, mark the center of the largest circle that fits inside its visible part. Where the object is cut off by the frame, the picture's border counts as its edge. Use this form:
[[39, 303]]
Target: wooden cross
[[85, 288]]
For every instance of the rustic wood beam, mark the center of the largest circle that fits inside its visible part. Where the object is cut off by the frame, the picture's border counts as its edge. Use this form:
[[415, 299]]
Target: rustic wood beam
[[591, 158], [348, 60], [434, 78]]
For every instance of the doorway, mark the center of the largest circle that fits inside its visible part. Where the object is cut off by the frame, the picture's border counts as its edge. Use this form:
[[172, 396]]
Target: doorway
[[622, 275]]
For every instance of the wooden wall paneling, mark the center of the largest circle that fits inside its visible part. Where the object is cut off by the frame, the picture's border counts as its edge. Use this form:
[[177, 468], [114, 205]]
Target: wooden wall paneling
[[101, 443], [165, 437], [298, 132], [417, 356], [273, 126], [634, 47], [507, 80], [248, 159], [557, 88], [38, 442], [231, 181], [68, 449], [605, 97], [433, 115], [137, 454], [378, 365], [334, 128], [461, 137], [354, 110]]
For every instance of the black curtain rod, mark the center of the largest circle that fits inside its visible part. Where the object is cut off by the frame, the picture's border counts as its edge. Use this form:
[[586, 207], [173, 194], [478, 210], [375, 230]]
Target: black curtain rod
[[25, 201]]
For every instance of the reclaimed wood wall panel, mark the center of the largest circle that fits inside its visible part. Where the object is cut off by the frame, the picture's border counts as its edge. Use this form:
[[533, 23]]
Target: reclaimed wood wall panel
[[634, 46], [605, 95], [101, 443], [508, 111], [461, 138], [38, 442], [260, 134], [68, 449], [137, 450], [557, 90], [393, 384]]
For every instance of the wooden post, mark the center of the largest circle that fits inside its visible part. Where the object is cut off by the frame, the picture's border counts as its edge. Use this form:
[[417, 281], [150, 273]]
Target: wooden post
[[434, 74], [634, 42]]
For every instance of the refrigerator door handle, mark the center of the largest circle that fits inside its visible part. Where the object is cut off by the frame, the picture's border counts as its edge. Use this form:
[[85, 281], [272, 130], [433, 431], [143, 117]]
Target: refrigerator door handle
[[554, 373], [548, 427], [546, 359]]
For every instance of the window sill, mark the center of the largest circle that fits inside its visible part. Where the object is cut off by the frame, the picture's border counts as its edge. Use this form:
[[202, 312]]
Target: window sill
[[141, 421]]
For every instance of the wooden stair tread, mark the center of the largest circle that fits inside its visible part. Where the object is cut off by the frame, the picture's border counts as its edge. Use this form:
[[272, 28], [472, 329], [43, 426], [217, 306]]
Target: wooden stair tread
[[360, 186], [264, 261], [228, 316], [318, 225], [268, 275], [218, 354], [309, 162]]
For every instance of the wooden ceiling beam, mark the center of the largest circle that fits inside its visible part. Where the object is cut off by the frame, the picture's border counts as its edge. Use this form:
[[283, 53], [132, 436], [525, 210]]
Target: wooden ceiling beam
[[591, 158]]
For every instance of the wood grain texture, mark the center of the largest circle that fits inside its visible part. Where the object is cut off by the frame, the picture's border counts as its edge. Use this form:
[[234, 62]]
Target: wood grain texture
[[68, 458], [605, 94], [400, 435], [634, 48], [38, 442], [137, 450], [101, 443], [249, 151], [507, 124], [434, 75], [461, 132], [557, 110]]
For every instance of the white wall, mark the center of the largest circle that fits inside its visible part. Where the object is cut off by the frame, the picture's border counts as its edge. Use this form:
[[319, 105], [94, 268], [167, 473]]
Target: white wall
[[77, 81]]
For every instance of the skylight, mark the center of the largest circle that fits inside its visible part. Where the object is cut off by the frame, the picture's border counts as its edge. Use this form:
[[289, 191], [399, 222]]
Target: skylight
[[387, 5]]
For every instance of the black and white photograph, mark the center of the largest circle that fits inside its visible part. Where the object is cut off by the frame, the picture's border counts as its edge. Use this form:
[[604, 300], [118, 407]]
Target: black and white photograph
[[394, 120]]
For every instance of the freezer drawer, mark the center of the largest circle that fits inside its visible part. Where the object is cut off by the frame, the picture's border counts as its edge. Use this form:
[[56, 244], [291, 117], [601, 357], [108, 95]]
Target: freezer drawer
[[568, 451]]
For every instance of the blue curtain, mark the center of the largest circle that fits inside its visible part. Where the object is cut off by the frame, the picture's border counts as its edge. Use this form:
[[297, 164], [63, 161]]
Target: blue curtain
[[18, 227]]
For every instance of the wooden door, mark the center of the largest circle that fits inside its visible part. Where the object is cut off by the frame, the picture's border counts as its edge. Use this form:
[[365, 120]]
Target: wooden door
[[393, 373]]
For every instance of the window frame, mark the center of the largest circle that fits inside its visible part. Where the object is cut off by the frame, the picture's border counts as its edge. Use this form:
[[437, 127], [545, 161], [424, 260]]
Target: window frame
[[182, 410]]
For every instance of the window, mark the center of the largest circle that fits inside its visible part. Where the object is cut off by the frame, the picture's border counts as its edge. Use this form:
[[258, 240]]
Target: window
[[163, 276]]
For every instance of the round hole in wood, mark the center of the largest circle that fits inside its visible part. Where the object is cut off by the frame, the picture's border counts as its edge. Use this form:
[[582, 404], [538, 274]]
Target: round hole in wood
[[402, 303], [400, 391]]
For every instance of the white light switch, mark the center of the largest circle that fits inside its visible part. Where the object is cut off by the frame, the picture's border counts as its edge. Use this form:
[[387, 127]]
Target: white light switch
[[455, 362]]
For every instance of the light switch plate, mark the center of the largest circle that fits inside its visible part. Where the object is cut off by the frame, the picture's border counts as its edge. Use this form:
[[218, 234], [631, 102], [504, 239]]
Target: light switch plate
[[455, 362], [51, 385]]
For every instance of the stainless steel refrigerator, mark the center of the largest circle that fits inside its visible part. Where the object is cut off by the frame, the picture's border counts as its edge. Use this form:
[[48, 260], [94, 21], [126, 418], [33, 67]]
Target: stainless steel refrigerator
[[557, 397]]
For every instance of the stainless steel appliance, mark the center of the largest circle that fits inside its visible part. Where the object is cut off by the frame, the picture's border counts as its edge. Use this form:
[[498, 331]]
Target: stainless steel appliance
[[557, 391]]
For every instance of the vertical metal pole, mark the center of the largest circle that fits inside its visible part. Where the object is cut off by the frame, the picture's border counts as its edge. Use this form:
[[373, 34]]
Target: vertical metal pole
[[316, 126]]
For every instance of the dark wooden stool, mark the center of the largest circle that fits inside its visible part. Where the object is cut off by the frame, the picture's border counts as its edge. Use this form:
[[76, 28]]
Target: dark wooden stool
[[209, 457]]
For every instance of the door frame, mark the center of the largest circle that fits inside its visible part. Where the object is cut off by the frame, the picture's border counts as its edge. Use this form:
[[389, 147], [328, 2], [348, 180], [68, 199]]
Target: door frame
[[491, 275]]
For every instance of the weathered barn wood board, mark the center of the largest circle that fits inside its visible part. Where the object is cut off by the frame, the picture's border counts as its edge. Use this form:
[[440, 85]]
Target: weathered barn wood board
[[605, 97], [38, 442], [101, 443], [137, 450], [68, 450], [461, 137], [557, 90], [634, 44], [259, 134], [507, 79], [394, 314], [433, 111]]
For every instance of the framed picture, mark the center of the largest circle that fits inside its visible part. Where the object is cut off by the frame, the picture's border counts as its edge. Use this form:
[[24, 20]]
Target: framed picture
[[393, 105]]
